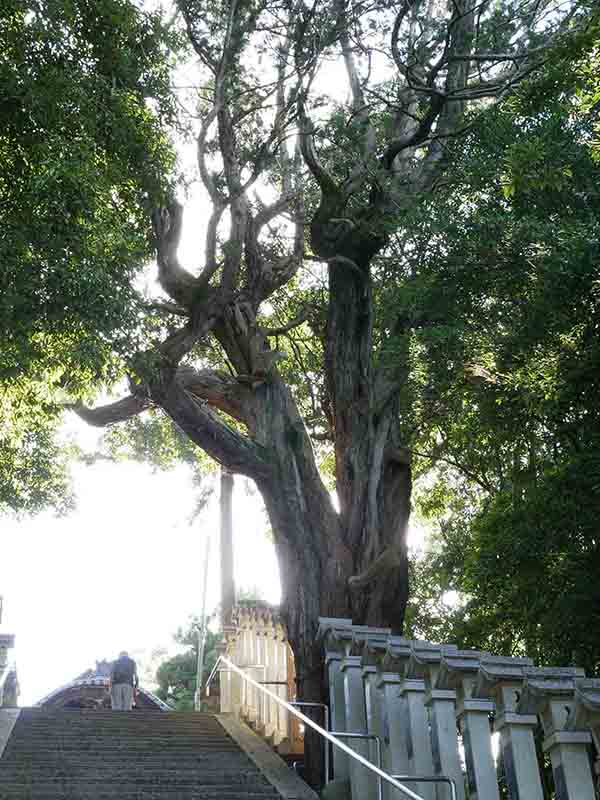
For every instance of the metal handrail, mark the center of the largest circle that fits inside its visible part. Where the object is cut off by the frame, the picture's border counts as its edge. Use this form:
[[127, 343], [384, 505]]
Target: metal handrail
[[335, 741], [377, 739], [213, 673], [254, 666], [430, 779]]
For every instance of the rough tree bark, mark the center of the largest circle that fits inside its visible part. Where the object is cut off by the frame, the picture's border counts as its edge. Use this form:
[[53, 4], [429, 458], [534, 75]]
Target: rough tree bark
[[352, 562]]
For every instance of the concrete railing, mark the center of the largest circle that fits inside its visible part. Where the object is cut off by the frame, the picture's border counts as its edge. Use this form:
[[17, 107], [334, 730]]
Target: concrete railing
[[256, 642], [436, 709], [9, 687], [336, 738]]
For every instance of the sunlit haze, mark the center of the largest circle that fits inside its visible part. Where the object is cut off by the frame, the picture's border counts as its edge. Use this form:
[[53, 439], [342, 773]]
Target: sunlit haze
[[122, 571]]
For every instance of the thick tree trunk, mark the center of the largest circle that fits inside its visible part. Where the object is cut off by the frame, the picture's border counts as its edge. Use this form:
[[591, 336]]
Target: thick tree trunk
[[314, 561], [316, 554], [373, 483]]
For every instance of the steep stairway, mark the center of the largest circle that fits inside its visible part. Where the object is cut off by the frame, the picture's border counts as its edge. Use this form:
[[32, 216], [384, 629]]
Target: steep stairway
[[138, 755]]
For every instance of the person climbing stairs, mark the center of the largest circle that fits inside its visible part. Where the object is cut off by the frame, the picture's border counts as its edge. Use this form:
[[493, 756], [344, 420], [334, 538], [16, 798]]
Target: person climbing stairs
[[114, 755]]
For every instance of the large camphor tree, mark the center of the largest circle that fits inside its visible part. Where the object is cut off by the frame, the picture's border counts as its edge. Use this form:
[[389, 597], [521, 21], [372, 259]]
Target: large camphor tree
[[296, 175], [275, 351]]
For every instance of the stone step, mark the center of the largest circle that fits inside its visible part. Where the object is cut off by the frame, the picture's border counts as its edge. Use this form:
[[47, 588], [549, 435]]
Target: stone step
[[109, 755], [117, 786], [102, 725], [95, 791], [168, 776]]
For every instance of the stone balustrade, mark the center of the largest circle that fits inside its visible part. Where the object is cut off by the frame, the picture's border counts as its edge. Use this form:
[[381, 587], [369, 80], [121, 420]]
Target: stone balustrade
[[437, 710], [9, 689], [256, 641], [8, 677]]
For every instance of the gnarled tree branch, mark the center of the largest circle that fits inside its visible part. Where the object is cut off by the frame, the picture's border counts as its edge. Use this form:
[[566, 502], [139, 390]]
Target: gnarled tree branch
[[177, 282], [111, 413], [205, 428]]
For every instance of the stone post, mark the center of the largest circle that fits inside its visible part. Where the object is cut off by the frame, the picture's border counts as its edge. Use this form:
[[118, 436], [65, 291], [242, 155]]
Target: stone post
[[424, 664], [393, 711], [363, 783], [283, 734], [500, 678], [7, 641], [253, 656], [233, 653], [372, 649], [337, 710], [459, 671], [549, 692], [244, 655], [416, 734], [260, 675], [339, 635], [224, 680], [585, 713], [10, 691], [271, 677]]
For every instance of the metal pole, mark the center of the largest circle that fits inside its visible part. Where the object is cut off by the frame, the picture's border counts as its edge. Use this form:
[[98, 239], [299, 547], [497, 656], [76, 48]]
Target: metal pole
[[377, 740], [331, 736], [430, 779], [202, 631], [326, 734]]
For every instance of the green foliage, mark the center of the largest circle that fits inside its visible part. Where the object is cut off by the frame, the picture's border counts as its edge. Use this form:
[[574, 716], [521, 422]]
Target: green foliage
[[33, 463], [83, 152], [176, 677], [154, 439], [502, 317]]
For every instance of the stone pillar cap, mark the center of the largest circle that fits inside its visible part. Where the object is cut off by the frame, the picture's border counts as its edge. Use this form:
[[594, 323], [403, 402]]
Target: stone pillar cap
[[338, 639], [327, 623], [497, 670], [586, 706], [351, 661], [370, 648], [542, 684], [423, 655], [333, 655], [396, 655], [455, 666], [365, 631], [335, 633], [347, 637]]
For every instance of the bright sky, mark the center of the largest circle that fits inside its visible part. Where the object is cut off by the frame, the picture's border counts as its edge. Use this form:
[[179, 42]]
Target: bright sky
[[123, 571]]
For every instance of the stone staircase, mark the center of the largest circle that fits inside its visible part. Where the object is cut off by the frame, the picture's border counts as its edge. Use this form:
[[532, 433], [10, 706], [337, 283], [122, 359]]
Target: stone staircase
[[112, 755]]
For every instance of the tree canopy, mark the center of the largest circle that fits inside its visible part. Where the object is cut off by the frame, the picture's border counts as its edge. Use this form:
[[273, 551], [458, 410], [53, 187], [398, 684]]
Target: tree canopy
[[85, 156], [177, 676], [390, 276], [512, 422]]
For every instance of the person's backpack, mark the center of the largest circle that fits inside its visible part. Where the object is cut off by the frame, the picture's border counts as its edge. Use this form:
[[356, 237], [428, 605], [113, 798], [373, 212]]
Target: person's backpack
[[123, 671]]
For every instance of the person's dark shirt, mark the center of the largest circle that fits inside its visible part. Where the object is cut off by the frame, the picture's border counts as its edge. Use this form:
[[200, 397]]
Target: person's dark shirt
[[124, 670]]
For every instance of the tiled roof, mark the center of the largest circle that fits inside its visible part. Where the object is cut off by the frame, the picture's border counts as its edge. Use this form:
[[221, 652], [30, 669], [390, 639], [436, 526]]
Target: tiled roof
[[99, 681]]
